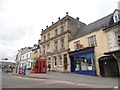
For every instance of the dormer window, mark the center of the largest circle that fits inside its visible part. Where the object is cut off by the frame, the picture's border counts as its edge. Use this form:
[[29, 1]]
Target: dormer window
[[116, 16]]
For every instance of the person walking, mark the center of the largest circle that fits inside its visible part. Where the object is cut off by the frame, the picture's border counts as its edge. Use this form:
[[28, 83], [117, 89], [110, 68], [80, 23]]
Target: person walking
[[49, 67]]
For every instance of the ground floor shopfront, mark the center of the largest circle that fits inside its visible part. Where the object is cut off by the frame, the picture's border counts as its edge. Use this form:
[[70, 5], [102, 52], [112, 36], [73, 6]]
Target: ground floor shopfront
[[82, 61], [111, 64], [58, 61], [108, 66]]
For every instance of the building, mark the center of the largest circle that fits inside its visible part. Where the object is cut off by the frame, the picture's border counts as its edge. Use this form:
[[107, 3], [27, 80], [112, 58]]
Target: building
[[113, 36], [55, 42], [36, 53], [88, 46], [26, 59]]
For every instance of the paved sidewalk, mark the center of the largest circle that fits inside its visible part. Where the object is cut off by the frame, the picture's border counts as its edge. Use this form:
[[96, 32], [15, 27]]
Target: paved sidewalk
[[75, 78]]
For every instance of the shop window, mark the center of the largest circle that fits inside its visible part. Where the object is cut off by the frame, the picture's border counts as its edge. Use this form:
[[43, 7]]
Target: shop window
[[84, 63], [60, 60], [55, 62]]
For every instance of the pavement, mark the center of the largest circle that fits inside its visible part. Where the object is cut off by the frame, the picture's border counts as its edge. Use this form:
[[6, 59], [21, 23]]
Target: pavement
[[74, 78]]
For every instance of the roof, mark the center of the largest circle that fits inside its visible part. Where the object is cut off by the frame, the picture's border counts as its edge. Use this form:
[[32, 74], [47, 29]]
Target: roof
[[93, 26], [67, 17]]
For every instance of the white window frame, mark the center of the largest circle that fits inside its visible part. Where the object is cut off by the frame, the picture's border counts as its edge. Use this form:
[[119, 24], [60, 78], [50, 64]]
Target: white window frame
[[75, 45], [55, 61], [60, 60], [92, 41], [48, 48], [62, 44]]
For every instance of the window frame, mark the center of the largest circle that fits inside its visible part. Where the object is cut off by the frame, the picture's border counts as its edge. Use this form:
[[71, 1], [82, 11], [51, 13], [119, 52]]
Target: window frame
[[75, 45], [55, 61], [92, 41], [60, 60], [62, 44], [62, 29]]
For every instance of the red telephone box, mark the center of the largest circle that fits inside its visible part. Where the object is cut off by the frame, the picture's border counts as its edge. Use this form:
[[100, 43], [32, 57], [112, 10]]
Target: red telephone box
[[40, 66]]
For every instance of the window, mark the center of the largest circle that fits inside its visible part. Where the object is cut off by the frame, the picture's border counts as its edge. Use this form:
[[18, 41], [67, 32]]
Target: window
[[27, 56], [60, 60], [62, 29], [48, 48], [77, 45], [56, 45], [116, 18], [56, 32], [43, 49], [83, 63], [49, 60], [92, 41], [44, 38], [55, 61], [30, 55], [62, 44], [117, 35], [48, 36]]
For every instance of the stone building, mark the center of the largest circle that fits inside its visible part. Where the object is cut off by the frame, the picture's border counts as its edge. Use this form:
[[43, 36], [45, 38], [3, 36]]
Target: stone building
[[113, 36], [88, 46], [55, 42]]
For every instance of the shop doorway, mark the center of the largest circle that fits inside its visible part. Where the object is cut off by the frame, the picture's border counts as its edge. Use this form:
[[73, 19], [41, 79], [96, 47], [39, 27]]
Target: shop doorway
[[65, 62], [108, 66]]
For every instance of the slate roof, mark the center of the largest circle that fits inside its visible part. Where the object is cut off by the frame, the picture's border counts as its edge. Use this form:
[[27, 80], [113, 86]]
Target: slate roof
[[93, 26]]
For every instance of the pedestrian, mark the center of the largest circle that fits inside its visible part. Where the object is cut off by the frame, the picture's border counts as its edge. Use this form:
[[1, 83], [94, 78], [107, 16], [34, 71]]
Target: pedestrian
[[49, 67]]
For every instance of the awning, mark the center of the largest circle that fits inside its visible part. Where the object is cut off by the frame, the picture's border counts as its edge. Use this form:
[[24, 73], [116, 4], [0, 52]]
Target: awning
[[105, 58], [81, 51], [112, 52]]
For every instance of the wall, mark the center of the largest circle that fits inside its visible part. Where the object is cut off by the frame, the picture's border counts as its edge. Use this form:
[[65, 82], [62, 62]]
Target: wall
[[102, 45]]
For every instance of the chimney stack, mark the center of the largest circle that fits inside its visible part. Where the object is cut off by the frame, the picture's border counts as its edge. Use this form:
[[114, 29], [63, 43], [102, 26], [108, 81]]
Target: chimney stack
[[46, 26], [67, 13], [58, 18], [119, 5], [77, 18], [52, 23]]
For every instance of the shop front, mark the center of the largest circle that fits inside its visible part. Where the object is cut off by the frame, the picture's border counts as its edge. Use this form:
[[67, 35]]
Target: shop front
[[82, 61]]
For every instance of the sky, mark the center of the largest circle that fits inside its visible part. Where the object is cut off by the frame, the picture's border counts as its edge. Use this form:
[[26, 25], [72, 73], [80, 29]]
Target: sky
[[21, 21]]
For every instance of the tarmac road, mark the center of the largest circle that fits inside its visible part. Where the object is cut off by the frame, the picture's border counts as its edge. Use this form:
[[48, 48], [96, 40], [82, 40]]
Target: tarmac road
[[11, 81]]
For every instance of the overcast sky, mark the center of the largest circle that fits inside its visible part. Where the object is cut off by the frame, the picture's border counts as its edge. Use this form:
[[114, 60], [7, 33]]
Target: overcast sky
[[21, 21]]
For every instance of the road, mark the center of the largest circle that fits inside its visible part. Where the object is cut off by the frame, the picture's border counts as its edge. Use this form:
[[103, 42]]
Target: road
[[11, 81]]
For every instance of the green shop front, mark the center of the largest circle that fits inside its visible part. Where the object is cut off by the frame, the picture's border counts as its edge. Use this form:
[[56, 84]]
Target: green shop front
[[82, 61]]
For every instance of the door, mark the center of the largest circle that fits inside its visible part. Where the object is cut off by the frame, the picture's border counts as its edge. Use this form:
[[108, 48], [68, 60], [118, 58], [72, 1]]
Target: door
[[65, 62]]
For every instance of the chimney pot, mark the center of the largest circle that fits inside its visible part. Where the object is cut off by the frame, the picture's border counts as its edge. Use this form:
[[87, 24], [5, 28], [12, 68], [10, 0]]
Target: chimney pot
[[46, 26], [59, 18], [66, 13], [77, 18], [52, 22]]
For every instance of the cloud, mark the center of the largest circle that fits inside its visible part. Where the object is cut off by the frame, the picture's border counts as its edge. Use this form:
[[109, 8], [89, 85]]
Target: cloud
[[21, 21]]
